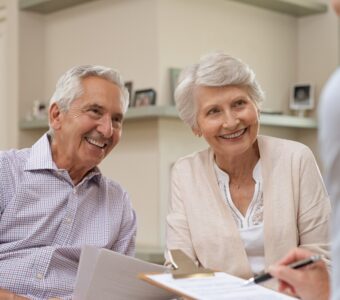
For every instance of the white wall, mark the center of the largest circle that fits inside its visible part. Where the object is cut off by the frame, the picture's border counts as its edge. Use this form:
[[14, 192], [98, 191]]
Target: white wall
[[266, 40], [318, 49], [120, 34], [143, 38], [3, 81]]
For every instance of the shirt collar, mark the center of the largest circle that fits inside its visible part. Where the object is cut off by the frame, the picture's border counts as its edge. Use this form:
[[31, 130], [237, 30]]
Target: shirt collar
[[41, 158]]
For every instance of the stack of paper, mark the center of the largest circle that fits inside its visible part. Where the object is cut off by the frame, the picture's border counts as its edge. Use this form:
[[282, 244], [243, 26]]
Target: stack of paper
[[222, 286], [105, 275]]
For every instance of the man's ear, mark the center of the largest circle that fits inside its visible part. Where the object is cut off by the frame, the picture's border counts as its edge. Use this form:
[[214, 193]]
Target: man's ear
[[55, 116]]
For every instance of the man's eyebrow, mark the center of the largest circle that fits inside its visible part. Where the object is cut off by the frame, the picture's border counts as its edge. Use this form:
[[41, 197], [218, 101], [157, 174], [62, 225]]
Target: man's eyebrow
[[94, 105]]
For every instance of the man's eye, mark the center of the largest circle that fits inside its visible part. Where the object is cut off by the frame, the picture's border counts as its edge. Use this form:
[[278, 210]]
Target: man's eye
[[95, 110], [117, 120]]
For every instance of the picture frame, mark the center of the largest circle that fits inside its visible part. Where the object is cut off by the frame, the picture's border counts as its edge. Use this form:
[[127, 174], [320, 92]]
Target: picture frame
[[302, 97], [145, 97], [129, 87], [174, 75]]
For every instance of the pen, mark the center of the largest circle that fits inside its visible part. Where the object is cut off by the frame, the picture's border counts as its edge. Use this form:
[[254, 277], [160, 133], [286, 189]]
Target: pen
[[263, 276]]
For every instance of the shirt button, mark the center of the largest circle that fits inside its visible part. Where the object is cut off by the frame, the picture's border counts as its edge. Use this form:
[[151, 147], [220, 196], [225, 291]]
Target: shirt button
[[68, 220], [40, 276], [74, 191]]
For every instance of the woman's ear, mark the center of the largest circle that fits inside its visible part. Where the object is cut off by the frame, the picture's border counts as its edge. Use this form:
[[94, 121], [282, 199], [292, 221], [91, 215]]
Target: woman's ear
[[55, 116], [196, 131], [258, 114]]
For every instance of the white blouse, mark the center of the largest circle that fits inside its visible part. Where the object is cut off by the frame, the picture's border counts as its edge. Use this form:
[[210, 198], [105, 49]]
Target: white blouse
[[251, 225]]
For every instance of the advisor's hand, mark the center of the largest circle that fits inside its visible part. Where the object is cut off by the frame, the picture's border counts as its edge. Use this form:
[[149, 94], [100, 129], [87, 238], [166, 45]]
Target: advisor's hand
[[308, 283]]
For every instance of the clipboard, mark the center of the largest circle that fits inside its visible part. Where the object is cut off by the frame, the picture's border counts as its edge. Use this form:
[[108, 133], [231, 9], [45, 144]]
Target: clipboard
[[192, 282], [183, 267], [148, 277]]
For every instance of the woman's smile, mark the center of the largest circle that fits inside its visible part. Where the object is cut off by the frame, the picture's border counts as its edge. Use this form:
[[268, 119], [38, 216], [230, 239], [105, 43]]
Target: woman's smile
[[234, 135]]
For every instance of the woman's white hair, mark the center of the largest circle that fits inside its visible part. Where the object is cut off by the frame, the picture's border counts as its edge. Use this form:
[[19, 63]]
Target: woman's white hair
[[69, 87], [215, 69]]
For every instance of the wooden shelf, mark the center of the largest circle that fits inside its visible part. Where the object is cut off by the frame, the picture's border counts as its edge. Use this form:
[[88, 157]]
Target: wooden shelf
[[48, 6], [147, 112], [288, 121], [297, 8]]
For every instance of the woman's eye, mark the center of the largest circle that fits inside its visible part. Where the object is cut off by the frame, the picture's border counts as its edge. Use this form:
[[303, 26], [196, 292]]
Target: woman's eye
[[239, 103], [213, 111]]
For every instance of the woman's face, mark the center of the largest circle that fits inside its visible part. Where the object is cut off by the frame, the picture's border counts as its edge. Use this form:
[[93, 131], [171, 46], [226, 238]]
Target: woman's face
[[227, 118]]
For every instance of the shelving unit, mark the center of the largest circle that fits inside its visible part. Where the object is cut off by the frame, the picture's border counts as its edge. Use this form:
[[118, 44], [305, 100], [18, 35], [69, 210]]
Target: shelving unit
[[147, 112], [297, 8]]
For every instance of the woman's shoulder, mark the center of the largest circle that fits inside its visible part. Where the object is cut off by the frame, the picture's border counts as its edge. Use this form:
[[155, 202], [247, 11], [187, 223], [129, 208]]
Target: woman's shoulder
[[271, 143], [195, 158]]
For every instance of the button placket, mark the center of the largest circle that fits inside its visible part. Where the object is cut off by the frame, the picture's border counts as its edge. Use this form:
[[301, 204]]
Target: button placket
[[66, 223]]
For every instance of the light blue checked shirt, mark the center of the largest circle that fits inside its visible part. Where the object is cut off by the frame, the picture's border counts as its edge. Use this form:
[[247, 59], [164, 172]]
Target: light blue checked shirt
[[45, 220]]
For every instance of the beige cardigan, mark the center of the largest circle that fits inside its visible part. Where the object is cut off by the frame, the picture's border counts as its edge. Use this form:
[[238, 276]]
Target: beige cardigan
[[296, 208]]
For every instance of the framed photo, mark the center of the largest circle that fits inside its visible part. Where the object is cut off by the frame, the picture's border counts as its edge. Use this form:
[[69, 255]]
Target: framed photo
[[174, 74], [145, 98], [129, 85], [302, 97]]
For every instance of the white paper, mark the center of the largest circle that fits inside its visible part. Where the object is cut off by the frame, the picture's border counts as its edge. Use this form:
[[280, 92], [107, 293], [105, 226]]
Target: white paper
[[222, 286], [105, 275]]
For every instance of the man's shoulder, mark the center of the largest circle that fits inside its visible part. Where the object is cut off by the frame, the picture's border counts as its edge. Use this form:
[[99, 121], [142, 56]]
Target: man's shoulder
[[14, 157], [112, 186]]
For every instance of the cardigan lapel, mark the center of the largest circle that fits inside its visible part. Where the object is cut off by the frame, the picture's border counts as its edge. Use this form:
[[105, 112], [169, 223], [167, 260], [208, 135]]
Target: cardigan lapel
[[230, 256]]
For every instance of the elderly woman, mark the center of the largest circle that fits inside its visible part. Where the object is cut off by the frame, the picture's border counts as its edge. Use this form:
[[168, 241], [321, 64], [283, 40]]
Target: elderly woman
[[244, 202]]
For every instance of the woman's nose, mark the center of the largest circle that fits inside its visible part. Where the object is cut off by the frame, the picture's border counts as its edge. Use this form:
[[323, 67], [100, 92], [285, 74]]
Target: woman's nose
[[230, 121]]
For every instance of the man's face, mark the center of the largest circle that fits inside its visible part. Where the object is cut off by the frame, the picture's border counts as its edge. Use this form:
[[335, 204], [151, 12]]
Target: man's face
[[90, 129]]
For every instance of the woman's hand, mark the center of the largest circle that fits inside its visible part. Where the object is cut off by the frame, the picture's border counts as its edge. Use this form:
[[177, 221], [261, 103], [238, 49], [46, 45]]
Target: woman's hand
[[308, 283]]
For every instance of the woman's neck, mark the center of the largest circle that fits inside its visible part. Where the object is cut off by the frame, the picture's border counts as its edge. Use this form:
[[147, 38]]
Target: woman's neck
[[240, 167]]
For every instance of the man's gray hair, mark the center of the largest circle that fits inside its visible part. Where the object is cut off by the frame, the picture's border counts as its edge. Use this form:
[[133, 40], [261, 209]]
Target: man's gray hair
[[69, 87], [215, 69]]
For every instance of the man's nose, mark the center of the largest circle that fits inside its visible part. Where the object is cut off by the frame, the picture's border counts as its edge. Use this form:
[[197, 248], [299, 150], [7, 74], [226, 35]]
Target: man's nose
[[105, 126]]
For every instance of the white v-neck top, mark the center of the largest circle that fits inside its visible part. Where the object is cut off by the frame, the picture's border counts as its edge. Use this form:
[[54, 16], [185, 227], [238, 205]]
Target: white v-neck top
[[251, 225]]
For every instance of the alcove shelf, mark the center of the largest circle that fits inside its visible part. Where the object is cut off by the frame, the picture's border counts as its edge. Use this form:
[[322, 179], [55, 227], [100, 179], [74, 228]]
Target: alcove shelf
[[147, 112], [48, 6], [297, 8]]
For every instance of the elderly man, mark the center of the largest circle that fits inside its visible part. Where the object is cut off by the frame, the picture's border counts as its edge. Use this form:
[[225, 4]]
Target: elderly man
[[53, 197]]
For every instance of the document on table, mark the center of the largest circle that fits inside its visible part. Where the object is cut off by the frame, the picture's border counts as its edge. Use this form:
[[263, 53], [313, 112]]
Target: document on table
[[105, 275], [222, 286]]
